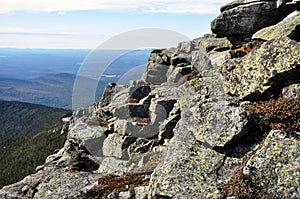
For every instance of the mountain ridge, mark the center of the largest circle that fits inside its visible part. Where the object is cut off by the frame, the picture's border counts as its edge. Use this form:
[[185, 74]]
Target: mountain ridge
[[208, 119]]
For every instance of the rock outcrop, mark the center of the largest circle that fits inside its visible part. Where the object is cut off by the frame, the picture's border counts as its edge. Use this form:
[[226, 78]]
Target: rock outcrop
[[184, 130]]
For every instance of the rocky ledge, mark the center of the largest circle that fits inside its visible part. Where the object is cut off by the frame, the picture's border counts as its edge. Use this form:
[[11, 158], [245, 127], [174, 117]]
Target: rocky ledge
[[216, 117]]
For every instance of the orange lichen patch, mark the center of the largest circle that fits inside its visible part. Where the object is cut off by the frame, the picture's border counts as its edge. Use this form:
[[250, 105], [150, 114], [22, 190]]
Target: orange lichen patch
[[141, 120], [245, 49], [103, 123], [132, 101], [117, 184]]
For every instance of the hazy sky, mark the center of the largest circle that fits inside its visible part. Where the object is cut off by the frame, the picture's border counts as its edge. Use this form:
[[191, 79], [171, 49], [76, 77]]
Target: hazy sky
[[88, 23]]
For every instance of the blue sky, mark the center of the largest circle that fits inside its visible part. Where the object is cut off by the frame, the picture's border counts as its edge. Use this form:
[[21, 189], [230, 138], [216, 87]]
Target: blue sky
[[86, 24]]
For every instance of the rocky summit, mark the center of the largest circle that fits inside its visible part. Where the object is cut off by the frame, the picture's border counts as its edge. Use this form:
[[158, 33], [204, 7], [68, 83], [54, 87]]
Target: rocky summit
[[216, 117]]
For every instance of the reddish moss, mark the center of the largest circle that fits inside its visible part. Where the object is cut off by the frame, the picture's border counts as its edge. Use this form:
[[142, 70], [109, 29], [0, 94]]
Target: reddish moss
[[132, 101], [117, 184], [278, 114], [103, 123], [240, 187], [141, 120]]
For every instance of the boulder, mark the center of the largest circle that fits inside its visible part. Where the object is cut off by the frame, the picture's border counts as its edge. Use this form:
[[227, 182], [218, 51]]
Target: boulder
[[285, 28], [264, 71], [275, 167], [188, 170], [292, 91], [243, 17]]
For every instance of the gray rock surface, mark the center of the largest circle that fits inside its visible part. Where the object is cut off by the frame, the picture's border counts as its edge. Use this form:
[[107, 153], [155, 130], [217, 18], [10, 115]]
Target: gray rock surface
[[287, 27], [275, 168], [263, 71], [292, 91], [247, 17]]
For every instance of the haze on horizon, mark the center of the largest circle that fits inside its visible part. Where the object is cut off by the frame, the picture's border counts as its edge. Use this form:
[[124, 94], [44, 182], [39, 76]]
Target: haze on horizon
[[77, 24]]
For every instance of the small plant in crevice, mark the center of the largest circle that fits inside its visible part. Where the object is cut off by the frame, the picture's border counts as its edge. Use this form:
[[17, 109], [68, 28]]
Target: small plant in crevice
[[277, 114], [240, 187], [117, 184]]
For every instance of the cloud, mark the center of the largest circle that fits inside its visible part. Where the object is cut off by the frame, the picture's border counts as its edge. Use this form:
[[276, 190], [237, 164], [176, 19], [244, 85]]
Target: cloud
[[4, 29], [161, 6], [24, 31]]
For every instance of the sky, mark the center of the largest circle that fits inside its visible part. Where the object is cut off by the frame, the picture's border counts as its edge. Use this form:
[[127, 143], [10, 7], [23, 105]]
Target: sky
[[78, 24]]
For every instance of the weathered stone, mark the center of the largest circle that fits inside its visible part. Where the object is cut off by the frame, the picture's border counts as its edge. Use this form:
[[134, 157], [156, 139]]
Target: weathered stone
[[156, 74], [223, 125], [247, 17], [283, 29], [115, 146], [292, 91], [264, 71], [110, 90], [211, 43], [50, 185], [190, 172], [125, 195], [275, 168], [141, 192]]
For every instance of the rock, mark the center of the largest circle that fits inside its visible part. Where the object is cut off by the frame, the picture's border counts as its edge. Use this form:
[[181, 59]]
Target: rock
[[110, 90], [48, 185], [125, 195], [264, 71], [158, 66], [115, 146], [112, 196], [189, 172], [211, 43], [141, 192], [284, 28], [292, 91], [275, 168], [224, 125], [156, 73], [242, 17]]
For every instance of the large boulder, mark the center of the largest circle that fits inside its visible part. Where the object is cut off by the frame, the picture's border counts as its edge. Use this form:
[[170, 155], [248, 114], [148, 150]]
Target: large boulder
[[287, 27], [275, 167], [264, 71], [242, 17]]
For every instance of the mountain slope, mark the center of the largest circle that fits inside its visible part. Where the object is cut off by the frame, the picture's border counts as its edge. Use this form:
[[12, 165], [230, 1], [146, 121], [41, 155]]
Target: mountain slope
[[19, 119], [28, 134], [19, 157]]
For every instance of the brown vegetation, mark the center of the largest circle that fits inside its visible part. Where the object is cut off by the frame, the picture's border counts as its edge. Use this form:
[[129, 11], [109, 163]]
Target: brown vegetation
[[245, 49], [187, 77], [103, 122], [277, 114], [117, 184], [241, 187], [141, 120], [132, 101]]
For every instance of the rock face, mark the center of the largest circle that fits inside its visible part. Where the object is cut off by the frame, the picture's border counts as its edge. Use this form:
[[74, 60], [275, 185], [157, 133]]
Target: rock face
[[246, 17], [275, 167], [184, 130], [289, 27]]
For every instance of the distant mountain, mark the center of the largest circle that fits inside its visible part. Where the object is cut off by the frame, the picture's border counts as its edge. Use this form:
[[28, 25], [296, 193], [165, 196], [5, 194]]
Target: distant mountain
[[28, 134], [53, 90], [32, 63], [47, 77]]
